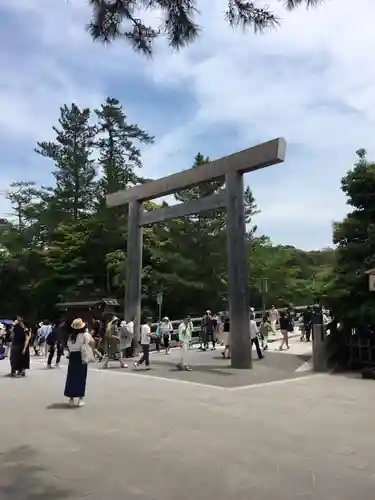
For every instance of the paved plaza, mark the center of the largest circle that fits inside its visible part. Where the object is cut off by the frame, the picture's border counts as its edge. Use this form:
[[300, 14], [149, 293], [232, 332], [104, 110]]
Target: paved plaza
[[151, 436]]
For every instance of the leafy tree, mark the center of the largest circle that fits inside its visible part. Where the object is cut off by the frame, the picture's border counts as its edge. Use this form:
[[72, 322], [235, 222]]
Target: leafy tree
[[71, 153], [122, 19], [355, 240], [294, 276]]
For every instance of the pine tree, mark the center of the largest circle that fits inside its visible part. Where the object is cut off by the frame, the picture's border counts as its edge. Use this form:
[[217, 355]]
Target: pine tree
[[21, 195], [74, 193], [118, 142]]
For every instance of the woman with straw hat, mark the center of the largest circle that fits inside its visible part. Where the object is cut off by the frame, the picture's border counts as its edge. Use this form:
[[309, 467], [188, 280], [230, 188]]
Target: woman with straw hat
[[80, 345]]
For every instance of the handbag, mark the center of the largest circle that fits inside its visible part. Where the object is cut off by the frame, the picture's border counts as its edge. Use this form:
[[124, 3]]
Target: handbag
[[87, 354]]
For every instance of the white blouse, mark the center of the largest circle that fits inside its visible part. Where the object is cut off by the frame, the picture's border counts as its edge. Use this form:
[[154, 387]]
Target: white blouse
[[82, 338]]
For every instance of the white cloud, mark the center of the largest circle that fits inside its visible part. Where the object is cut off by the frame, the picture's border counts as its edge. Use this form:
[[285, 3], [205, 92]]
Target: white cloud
[[311, 81]]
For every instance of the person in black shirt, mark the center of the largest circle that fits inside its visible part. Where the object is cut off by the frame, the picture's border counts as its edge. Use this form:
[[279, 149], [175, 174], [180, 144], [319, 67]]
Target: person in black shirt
[[98, 336], [307, 324], [285, 324], [208, 331], [20, 353], [55, 341]]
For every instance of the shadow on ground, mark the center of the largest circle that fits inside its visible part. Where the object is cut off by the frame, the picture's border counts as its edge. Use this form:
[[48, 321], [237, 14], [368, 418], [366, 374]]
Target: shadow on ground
[[59, 406], [22, 479]]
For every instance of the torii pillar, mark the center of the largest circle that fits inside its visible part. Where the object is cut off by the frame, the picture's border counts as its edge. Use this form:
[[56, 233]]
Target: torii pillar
[[232, 168]]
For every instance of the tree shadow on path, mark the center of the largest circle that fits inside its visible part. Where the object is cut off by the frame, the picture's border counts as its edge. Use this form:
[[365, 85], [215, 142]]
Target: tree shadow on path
[[22, 479]]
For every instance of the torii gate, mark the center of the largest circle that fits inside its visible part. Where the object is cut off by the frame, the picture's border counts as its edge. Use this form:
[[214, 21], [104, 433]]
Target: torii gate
[[232, 199]]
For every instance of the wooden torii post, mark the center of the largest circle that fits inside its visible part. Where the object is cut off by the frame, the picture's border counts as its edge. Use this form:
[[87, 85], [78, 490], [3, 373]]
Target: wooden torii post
[[232, 169]]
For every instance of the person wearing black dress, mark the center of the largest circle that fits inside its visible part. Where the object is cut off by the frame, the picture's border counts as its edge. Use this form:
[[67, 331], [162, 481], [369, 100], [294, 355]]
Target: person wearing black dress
[[20, 352]]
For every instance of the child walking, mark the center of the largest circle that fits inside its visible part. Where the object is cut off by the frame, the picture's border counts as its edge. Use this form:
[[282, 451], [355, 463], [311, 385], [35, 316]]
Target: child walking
[[265, 329]]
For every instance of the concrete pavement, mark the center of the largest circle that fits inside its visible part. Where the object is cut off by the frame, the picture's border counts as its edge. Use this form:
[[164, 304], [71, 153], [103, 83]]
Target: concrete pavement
[[148, 438]]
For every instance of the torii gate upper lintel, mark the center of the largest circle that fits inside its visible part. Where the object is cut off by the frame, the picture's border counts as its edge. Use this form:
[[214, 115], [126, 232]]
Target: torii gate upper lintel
[[231, 167]]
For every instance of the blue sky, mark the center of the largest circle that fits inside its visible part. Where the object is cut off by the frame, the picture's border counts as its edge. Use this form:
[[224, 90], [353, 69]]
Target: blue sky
[[311, 81]]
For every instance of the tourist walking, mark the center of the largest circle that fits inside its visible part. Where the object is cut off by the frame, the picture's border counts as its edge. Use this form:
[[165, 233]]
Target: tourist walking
[[208, 331], [80, 345], [145, 345], [265, 329], [130, 342], [225, 337], [254, 332], [285, 324], [126, 333], [166, 330], [44, 330], [185, 332], [274, 317], [55, 344], [20, 352], [96, 333], [112, 343], [307, 324]]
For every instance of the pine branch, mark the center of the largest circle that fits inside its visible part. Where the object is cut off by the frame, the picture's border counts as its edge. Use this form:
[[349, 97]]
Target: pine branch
[[292, 4], [247, 15], [122, 19]]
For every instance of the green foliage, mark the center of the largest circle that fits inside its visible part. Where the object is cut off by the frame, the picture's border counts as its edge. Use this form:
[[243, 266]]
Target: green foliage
[[122, 19], [294, 276], [355, 238]]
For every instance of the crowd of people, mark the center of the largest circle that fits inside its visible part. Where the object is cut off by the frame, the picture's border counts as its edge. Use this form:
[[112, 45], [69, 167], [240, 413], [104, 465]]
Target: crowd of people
[[115, 341]]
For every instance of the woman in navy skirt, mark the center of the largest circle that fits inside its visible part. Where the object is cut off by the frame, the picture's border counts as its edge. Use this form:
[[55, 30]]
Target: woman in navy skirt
[[79, 340]]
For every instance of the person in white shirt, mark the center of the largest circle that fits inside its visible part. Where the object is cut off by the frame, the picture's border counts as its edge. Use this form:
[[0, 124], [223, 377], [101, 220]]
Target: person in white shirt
[[166, 329], [274, 317], [254, 331], [126, 337], [80, 343], [185, 332], [42, 335], [145, 344]]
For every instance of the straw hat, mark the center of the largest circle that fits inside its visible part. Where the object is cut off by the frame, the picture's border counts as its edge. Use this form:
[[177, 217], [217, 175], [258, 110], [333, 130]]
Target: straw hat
[[78, 324]]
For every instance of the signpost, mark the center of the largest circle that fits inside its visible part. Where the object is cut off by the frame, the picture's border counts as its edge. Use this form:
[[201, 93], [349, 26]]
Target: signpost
[[159, 301]]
